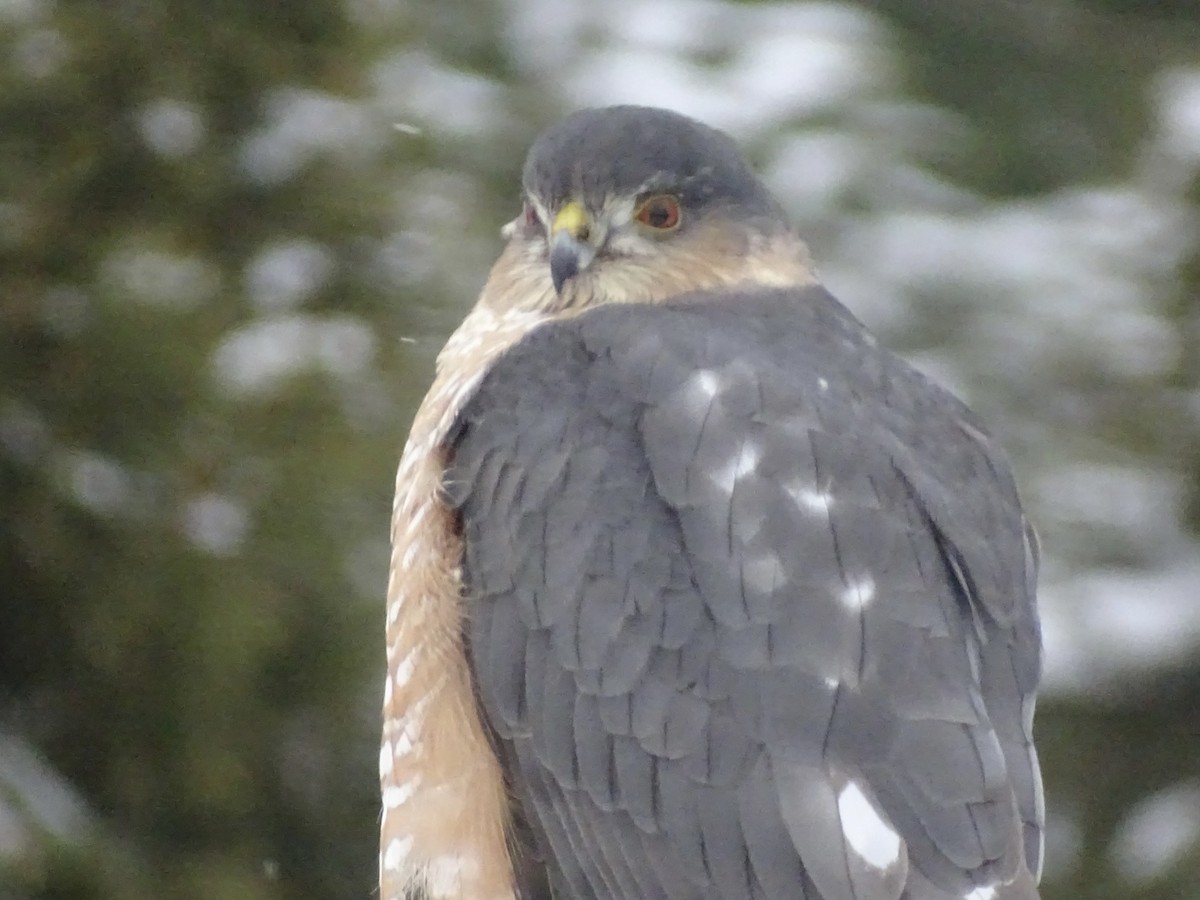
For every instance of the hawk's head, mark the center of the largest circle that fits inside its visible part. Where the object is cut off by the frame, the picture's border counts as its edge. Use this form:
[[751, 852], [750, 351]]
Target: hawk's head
[[628, 203]]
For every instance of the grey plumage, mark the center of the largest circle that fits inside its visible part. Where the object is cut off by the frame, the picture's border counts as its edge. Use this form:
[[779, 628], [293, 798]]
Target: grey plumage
[[736, 576], [597, 154]]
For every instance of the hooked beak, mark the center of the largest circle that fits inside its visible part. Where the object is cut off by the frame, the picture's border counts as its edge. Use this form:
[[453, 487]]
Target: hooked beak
[[570, 251]]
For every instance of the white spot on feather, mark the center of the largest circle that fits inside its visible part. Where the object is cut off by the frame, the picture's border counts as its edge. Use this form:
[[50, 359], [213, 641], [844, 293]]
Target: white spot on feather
[[408, 726], [982, 893], [764, 573], [706, 382], [407, 741], [398, 795], [812, 500], [416, 523], [385, 760], [866, 830], [445, 875], [738, 467], [859, 592], [823, 384], [397, 852], [407, 460], [410, 555], [404, 671]]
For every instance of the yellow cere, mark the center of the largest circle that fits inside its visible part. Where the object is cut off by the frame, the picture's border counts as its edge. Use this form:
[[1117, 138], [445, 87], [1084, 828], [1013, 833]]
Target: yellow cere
[[573, 219]]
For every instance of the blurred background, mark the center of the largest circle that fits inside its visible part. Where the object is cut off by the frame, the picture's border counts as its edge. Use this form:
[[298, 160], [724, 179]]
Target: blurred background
[[233, 236]]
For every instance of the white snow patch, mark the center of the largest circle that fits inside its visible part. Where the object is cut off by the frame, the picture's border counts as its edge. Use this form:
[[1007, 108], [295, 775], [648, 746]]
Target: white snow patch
[[1101, 627], [1179, 113], [259, 357], [284, 275], [171, 128], [216, 523], [1158, 832]]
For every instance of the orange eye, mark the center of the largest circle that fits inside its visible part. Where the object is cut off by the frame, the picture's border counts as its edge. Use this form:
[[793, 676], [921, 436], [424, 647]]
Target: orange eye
[[532, 219], [660, 212]]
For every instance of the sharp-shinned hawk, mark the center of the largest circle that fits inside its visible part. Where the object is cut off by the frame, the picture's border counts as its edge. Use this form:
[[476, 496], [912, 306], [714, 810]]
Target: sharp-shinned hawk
[[696, 592]]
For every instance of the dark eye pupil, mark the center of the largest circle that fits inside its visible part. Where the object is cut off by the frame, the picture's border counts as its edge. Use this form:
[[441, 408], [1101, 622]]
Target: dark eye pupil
[[659, 212], [659, 215]]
